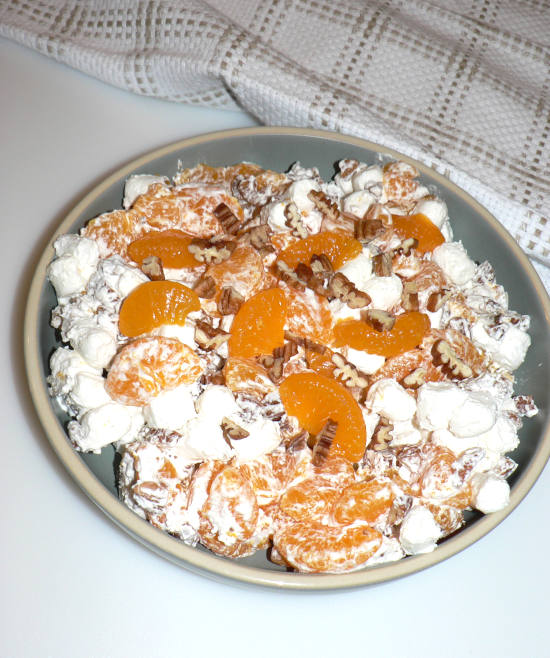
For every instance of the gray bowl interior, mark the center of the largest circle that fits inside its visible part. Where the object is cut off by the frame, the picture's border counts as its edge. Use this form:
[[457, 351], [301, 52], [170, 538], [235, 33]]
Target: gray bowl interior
[[483, 236]]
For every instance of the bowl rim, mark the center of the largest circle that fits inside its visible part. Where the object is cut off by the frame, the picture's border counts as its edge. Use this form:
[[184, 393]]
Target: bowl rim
[[204, 562]]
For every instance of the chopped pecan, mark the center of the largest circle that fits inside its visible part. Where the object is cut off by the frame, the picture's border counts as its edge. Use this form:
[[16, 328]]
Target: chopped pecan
[[231, 431], [415, 379], [207, 337], [377, 211], [298, 442], [205, 287], [407, 246], [444, 356], [323, 442], [409, 297], [306, 343], [382, 264], [288, 275], [258, 237], [344, 290], [210, 251], [366, 230], [275, 362], [347, 372], [152, 267], [227, 218], [436, 300], [230, 301], [293, 219], [324, 205], [381, 437], [321, 266], [378, 319]]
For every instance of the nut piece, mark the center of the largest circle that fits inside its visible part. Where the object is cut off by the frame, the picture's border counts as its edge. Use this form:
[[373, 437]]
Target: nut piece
[[344, 290], [231, 431], [298, 442], [378, 319], [407, 246], [415, 379], [227, 218], [208, 251], [275, 362], [324, 205], [323, 442], [294, 221], [436, 300], [209, 338], [230, 301], [382, 264], [409, 298], [258, 236], [321, 266], [366, 230], [205, 287], [288, 275], [306, 343], [444, 356], [381, 437], [152, 267], [347, 372]]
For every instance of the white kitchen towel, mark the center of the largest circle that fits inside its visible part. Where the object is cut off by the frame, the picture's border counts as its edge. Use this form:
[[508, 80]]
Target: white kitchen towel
[[462, 85]]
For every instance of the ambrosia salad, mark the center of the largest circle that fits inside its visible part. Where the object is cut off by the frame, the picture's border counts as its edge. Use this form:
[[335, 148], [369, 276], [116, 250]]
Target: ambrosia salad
[[316, 369]]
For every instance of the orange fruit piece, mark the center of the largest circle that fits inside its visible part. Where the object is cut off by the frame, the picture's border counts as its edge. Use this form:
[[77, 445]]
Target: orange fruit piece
[[147, 366], [317, 548], [189, 209], [247, 376], [407, 333], [202, 173], [339, 247], [309, 315], [313, 399], [420, 227], [155, 303], [171, 246], [363, 501], [309, 500], [243, 270], [114, 231], [399, 180], [258, 326]]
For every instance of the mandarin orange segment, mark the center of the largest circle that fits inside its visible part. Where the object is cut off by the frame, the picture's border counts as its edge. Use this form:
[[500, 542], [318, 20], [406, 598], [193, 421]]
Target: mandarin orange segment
[[339, 247], [313, 399], [420, 227], [155, 303], [363, 501], [189, 209], [309, 500], [247, 376], [171, 246], [309, 315], [258, 326], [148, 366], [114, 231], [407, 333], [243, 270], [317, 548], [399, 180]]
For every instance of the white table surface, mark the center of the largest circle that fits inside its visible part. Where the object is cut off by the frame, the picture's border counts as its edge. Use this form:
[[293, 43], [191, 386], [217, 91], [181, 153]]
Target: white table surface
[[72, 583]]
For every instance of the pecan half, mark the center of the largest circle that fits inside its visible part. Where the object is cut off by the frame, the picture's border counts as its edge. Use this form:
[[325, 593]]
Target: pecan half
[[436, 300], [205, 287], [323, 442], [444, 356], [207, 337], [324, 205], [293, 219], [152, 267], [230, 301], [227, 218], [209, 251], [231, 431], [378, 319]]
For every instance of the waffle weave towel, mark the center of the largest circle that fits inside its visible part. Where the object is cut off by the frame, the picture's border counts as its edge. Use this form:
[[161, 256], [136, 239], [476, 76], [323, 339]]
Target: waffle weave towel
[[462, 85]]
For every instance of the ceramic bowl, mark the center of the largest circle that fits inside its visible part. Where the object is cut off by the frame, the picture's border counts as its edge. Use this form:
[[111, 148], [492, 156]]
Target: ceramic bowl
[[278, 148]]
